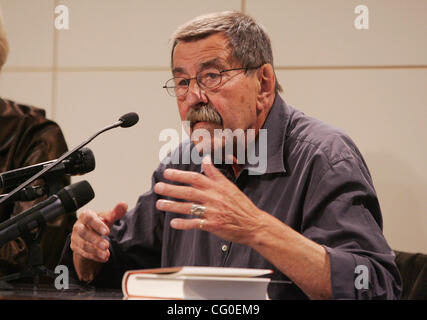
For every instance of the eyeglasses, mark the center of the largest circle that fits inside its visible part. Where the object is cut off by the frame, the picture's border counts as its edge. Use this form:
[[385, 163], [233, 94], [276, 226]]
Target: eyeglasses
[[206, 79]]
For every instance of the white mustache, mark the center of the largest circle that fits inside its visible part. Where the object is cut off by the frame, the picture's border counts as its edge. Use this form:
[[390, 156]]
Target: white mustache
[[205, 113]]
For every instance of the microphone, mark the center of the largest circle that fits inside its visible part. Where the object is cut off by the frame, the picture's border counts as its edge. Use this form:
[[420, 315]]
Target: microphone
[[125, 121], [67, 200], [79, 163], [129, 119]]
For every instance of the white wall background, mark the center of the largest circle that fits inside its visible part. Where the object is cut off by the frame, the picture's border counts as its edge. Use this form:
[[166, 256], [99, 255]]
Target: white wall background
[[115, 58]]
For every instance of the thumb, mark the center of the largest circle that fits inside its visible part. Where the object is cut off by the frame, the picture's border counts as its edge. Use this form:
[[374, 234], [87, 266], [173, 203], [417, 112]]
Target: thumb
[[117, 213]]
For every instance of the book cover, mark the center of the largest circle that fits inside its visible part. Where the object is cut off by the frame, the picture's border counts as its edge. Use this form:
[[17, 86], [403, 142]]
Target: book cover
[[212, 283]]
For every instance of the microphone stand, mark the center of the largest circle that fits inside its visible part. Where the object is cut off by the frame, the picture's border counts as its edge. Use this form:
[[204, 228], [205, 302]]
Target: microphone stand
[[52, 184], [35, 266], [28, 193]]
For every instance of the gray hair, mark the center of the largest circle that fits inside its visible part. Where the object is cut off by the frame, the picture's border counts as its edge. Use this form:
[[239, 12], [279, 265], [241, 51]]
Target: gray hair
[[249, 42], [4, 44]]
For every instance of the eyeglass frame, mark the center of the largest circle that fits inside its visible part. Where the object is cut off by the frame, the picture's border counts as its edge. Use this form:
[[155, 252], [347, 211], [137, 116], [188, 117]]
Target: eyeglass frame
[[203, 86]]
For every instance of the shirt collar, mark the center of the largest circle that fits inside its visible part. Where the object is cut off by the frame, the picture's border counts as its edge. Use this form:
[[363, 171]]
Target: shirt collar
[[275, 126]]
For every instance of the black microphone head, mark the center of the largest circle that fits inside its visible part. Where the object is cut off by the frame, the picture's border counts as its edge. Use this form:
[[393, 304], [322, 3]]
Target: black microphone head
[[129, 119], [76, 195], [80, 162]]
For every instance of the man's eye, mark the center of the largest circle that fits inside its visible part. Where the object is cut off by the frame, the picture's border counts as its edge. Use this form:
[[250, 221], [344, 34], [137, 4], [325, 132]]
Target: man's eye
[[212, 76], [181, 82]]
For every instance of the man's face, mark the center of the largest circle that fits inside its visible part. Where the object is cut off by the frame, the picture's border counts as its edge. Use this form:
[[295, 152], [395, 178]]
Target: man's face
[[234, 100]]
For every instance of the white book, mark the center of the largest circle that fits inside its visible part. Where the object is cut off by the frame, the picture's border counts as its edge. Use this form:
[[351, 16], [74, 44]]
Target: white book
[[194, 283]]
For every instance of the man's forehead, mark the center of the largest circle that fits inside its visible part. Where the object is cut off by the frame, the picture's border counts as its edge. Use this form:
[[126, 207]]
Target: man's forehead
[[213, 51], [217, 63]]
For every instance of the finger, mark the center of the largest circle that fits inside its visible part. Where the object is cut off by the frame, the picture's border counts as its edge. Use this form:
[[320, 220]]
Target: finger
[[91, 253], [174, 206], [210, 170], [90, 219], [177, 207], [188, 224], [188, 177], [95, 249], [180, 192], [88, 235], [112, 216]]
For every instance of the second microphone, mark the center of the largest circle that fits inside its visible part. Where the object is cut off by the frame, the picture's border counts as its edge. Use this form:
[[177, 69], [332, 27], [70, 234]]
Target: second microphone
[[81, 162]]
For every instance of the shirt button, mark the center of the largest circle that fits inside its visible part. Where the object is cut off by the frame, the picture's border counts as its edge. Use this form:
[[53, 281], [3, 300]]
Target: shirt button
[[224, 248]]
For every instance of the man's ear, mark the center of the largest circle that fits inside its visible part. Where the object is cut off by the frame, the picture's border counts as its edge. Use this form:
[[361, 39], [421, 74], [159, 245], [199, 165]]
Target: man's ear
[[267, 82]]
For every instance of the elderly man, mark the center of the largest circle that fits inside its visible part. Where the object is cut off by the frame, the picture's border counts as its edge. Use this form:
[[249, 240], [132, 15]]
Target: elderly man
[[312, 215]]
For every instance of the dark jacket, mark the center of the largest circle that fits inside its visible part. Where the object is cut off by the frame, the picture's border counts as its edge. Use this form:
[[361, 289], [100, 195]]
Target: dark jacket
[[26, 138]]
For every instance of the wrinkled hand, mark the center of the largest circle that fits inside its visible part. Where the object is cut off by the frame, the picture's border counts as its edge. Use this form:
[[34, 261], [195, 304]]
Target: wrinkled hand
[[87, 239], [229, 213]]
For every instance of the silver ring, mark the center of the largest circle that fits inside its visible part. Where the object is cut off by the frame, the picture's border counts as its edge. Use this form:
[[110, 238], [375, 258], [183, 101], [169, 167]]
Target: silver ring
[[201, 223], [198, 210]]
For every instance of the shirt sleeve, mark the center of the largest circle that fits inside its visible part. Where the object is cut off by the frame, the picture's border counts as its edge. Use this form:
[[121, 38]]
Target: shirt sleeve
[[343, 215]]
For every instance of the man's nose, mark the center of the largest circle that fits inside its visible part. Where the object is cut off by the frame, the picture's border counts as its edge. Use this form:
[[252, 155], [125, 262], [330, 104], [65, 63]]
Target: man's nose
[[196, 94]]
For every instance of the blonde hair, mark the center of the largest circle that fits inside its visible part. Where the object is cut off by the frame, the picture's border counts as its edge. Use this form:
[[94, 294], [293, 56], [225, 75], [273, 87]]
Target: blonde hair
[[4, 44]]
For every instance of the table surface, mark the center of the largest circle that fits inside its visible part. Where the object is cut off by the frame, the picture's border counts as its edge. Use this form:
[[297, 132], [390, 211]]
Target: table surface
[[49, 292]]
